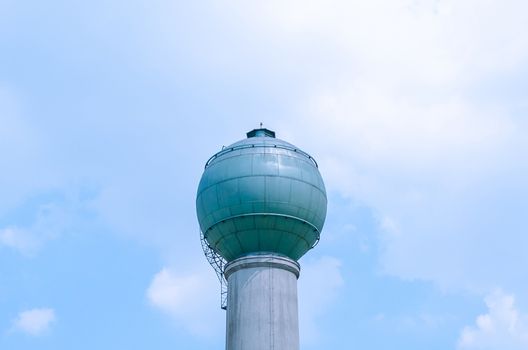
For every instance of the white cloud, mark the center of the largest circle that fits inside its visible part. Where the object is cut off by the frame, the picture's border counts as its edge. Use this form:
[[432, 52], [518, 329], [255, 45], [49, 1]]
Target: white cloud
[[192, 300], [19, 239], [26, 165], [405, 126], [427, 40], [34, 322], [503, 327], [50, 222], [172, 293], [315, 297], [386, 96]]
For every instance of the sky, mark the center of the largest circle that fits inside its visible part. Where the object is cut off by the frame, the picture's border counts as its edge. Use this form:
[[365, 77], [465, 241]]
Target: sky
[[415, 110]]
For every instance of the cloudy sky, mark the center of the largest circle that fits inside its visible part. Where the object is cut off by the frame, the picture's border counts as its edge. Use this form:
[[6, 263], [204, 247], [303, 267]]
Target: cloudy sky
[[416, 111]]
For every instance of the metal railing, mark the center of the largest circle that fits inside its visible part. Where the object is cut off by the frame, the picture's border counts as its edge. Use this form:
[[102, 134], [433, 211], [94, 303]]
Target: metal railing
[[231, 149]]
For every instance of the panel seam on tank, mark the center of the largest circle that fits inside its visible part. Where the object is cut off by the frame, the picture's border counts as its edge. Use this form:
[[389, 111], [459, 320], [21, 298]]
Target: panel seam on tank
[[264, 175], [289, 232], [259, 214]]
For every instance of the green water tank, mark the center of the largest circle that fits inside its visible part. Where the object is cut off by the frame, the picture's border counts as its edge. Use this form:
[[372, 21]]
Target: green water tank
[[261, 195]]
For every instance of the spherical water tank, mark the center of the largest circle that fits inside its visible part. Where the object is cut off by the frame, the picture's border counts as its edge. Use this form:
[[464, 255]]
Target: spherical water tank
[[261, 194]]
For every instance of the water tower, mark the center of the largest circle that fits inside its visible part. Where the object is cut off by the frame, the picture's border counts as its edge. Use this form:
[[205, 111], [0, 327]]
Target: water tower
[[261, 204]]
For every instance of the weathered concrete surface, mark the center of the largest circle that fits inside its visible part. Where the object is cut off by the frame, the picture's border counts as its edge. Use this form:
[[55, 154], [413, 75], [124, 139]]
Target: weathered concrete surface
[[262, 312]]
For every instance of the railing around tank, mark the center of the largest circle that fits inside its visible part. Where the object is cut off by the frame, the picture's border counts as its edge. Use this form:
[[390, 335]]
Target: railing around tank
[[231, 149]]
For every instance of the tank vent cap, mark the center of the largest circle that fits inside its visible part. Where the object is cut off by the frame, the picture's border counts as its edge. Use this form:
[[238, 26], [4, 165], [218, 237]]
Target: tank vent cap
[[262, 132]]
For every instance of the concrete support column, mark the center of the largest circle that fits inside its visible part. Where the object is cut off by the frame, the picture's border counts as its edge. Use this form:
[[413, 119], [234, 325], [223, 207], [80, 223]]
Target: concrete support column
[[262, 311]]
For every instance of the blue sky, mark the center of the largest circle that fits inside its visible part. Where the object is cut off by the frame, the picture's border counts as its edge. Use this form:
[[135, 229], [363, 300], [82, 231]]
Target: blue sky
[[415, 111]]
